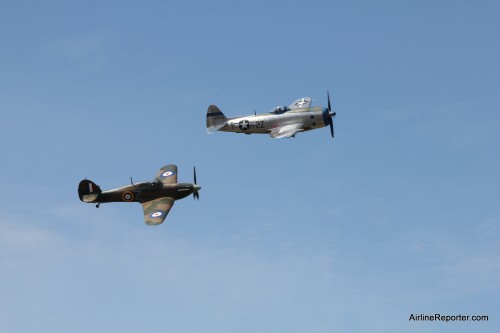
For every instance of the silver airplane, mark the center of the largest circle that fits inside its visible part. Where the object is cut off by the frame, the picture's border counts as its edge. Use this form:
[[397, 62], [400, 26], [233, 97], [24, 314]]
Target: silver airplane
[[280, 122]]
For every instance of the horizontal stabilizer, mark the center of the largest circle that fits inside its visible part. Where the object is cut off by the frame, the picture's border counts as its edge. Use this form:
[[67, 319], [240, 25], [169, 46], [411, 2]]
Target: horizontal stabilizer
[[212, 129]]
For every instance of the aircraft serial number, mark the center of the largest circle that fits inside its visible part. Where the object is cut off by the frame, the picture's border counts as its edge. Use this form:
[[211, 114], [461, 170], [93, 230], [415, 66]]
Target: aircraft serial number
[[245, 125]]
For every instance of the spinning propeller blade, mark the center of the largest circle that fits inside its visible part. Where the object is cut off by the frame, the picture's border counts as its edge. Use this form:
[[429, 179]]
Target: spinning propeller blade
[[196, 195], [330, 114]]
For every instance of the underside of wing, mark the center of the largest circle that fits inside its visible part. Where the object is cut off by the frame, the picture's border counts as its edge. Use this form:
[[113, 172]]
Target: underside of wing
[[167, 174], [285, 131], [156, 210], [301, 103]]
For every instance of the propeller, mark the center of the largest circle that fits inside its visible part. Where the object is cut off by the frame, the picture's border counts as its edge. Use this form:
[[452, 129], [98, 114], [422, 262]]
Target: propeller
[[330, 114], [196, 187]]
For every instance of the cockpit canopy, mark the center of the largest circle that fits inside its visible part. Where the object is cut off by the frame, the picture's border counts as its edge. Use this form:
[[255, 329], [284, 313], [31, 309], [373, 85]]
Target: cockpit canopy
[[150, 185], [280, 109]]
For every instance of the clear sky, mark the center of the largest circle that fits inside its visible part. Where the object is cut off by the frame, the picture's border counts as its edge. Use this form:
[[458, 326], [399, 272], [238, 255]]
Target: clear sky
[[398, 215]]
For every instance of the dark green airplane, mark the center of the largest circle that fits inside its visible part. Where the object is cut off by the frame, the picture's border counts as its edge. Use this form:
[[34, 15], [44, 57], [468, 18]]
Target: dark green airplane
[[157, 197]]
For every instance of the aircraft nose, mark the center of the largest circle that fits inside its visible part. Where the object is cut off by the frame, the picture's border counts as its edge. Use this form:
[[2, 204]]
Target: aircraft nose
[[326, 116], [196, 188]]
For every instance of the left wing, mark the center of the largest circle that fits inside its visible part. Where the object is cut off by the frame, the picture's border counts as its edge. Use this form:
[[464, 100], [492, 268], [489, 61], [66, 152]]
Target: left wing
[[156, 210], [285, 131], [301, 103], [167, 174]]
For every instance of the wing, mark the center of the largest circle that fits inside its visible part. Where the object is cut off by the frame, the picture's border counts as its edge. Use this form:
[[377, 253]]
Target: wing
[[156, 210], [167, 174], [302, 103], [286, 131]]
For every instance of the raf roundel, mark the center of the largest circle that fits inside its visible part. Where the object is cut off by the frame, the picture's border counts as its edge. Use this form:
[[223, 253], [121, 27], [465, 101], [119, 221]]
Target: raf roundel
[[167, 174], [156, 214], [127, 196]]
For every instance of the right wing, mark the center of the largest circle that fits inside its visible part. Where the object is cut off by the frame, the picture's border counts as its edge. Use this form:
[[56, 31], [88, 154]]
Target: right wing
[[286, 131], [156, 210], [167, 174]]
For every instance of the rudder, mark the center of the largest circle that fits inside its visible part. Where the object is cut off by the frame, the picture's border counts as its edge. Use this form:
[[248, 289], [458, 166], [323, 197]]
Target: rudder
[[215, 118], [88, 190]]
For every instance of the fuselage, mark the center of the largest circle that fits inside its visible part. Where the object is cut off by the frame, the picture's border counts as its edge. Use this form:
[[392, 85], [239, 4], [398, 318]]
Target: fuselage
[[142, 192], [308, 118]]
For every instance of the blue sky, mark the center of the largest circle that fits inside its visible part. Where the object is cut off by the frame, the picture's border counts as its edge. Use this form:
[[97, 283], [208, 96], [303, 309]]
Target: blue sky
[[398, 215]]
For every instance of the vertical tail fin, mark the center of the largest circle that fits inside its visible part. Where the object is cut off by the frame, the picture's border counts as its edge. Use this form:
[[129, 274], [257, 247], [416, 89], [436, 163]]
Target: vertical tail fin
[[215, 119], [88, 191]]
